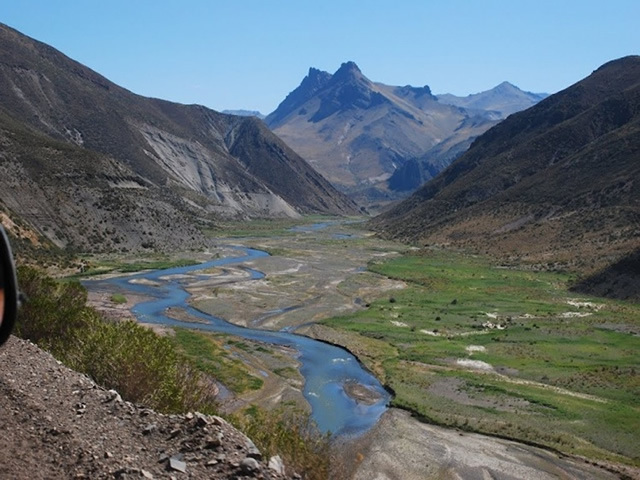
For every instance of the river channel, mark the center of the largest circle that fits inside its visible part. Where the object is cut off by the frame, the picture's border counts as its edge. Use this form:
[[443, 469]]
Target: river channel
[[325, 368]]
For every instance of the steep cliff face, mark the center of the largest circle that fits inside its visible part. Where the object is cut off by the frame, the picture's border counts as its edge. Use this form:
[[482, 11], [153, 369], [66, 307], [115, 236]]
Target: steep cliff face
[[74, 140]]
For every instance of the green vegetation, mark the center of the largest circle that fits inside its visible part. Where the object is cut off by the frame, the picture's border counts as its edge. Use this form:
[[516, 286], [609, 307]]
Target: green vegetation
[[142, 366], [254, 228], [210, 353], [118, 298], [290, 434], [505, 352]]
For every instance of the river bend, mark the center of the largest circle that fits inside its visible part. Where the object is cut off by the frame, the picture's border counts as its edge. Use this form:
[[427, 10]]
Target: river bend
[[325, 368]]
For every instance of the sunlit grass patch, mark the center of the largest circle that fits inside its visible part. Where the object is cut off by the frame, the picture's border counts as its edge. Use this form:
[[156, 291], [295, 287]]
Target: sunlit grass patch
[[545, 367], [118, 298], [208, 353]]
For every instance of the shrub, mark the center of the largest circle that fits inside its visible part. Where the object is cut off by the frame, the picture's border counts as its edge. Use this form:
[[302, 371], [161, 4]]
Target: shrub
[[118, 298], [142, 366], [290, 434]]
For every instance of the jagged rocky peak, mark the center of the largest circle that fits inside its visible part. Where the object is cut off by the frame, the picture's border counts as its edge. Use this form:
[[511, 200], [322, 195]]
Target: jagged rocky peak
[[348, 89], [316, 77], [314, 81], [348, 72]]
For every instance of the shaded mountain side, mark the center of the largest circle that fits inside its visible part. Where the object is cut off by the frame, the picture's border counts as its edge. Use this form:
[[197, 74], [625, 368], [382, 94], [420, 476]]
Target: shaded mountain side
[[179, 152], [415, 172], [250, 140], [555, 183], [620, 280]]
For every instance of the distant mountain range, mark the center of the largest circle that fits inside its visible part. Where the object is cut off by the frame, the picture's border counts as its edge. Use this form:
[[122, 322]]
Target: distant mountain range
[[557, 184], [377, 142], [89, 165], [499, 102]]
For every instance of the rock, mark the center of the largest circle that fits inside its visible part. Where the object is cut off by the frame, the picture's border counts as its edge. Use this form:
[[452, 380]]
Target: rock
[[177, 464], [112, 395], [252, 450], [146, 474], [150, 428], [249, 465], [276, 465], [216, 420], [212, 442], [203, 421]]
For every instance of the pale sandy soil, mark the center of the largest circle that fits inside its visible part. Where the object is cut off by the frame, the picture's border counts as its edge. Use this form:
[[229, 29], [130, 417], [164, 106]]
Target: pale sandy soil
[[401, 448]]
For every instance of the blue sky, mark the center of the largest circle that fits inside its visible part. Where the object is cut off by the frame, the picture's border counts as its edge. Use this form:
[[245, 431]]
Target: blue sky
[[250, 53]]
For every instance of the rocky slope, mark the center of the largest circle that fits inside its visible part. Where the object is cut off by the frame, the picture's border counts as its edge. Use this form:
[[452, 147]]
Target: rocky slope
[[555, 183], [75, 146], [57, 423], [358, 133]]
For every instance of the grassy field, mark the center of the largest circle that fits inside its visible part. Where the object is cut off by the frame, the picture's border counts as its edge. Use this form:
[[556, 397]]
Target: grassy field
[[212, 354], [505, 352]]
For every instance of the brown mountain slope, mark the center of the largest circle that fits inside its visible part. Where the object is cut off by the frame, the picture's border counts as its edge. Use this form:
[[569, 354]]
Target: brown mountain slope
[[178, 155], [555, 183]]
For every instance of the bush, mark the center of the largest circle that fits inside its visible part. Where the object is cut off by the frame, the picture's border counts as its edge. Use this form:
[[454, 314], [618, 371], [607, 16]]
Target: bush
[[142, 366], [290, 434]]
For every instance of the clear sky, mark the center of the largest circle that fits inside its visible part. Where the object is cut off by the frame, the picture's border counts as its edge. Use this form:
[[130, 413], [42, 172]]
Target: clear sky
[[249, 54]]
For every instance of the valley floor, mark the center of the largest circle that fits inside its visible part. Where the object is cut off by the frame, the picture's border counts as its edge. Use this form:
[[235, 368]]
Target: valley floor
[[316, 275]]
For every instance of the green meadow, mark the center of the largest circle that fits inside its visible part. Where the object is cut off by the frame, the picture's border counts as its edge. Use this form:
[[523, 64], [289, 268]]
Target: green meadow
[[504, 351], [212, 354]]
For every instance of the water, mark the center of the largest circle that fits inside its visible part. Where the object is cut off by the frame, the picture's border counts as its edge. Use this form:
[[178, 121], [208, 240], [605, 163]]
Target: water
[[326, 368]]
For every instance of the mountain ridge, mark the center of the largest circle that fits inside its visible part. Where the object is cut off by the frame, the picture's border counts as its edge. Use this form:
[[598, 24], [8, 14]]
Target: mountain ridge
[[556, 181], [501, 100], [179, 156]]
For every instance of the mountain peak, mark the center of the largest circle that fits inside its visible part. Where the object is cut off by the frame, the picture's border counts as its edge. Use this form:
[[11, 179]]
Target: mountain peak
[[349, 66], [315, 80], [348, 71], [506, 86]]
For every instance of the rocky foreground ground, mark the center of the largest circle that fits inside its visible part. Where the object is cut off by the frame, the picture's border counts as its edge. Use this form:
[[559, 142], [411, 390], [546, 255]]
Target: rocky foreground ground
[[57, 423]]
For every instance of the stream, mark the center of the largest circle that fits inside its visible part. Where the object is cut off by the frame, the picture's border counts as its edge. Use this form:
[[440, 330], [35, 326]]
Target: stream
[[326, 368]]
